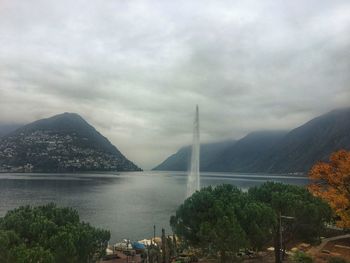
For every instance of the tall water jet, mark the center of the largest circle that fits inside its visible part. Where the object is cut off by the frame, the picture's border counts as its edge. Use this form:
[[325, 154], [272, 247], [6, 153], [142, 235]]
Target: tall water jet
[[193, 181]]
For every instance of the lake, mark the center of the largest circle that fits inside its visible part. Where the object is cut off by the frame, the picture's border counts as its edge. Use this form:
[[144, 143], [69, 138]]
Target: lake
[[128, 204]]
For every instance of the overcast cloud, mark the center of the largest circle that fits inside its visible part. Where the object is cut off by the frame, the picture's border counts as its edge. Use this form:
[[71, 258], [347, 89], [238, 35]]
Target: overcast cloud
[[136, 69]]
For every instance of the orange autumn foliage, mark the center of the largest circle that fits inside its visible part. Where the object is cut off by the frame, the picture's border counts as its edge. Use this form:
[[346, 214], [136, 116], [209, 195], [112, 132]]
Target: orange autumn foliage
[[331, 182]]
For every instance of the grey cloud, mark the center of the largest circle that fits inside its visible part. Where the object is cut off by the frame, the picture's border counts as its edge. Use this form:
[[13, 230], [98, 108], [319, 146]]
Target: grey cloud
[[136, 69]]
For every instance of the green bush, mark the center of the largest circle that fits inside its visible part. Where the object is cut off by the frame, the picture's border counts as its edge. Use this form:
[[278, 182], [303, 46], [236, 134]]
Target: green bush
[[301, 257]]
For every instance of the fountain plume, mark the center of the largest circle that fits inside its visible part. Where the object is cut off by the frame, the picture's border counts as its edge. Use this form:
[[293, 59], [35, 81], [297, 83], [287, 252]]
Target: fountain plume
[[193, 183]]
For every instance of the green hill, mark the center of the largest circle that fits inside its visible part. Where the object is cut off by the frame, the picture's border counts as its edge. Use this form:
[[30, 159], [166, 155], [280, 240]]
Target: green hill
[[62, 143]]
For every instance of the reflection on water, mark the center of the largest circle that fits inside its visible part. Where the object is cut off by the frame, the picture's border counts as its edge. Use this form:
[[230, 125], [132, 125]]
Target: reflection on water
[[128, 204]]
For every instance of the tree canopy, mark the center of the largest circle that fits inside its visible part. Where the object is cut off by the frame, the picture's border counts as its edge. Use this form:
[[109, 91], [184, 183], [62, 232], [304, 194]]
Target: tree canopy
[[300, 214], [331, 182], [307, 213], [49, 234], [224, 219], [215, 219]]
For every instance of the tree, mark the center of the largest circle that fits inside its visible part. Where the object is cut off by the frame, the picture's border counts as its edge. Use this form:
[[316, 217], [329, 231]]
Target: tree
[[8, 239], [48, 234], [306, 214], [224, 219], [35, 254], [225, 236], [215, 220], [331, 182], [257, 221]]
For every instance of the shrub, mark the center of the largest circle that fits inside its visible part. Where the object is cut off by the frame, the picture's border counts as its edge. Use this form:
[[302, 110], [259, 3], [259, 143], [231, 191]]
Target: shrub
[[301, 257]]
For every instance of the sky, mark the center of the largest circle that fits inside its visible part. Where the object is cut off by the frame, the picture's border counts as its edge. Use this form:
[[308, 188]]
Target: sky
[[135, 69]]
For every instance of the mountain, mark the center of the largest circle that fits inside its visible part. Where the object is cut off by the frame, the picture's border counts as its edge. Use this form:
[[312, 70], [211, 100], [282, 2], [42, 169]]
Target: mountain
[[62, 143], [243, 155], [181, 159], [314, 141], [279, 151]]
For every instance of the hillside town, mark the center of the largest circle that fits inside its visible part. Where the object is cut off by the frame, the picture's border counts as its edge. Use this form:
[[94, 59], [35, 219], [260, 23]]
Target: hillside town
[[52, 151]]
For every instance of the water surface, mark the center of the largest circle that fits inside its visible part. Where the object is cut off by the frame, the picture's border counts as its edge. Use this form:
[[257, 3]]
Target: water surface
[[128, 204]]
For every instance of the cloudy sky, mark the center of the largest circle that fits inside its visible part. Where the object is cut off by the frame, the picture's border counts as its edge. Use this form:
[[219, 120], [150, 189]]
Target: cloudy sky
[[135, 69]]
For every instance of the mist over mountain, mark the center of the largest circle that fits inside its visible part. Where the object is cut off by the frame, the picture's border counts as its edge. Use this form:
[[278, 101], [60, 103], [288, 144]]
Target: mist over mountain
[[314, 141], [62, 143], [8, 128], [181, 159], [243, 155], [276, 151]]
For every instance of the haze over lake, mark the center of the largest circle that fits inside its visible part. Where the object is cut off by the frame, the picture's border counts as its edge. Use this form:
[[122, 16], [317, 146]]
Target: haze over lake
[[128, 204]]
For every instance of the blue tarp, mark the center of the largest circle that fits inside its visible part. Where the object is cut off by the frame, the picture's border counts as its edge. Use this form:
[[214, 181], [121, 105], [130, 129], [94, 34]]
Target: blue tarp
[[137, 245]]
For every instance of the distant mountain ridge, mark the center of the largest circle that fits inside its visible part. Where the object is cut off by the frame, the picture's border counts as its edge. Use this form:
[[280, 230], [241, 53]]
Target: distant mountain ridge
[[62, 143], [180, 160], [314, 141], [280, 151], [243, 155]]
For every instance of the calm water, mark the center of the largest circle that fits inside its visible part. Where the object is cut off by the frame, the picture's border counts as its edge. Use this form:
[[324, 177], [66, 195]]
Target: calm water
[[128, 204]]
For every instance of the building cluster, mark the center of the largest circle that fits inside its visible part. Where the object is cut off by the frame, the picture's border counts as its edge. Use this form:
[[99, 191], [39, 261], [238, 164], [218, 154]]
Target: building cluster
[[43, 150]]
